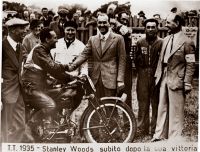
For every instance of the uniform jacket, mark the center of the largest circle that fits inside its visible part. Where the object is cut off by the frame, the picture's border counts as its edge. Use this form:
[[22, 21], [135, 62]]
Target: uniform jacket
[[65, 55], [109, 63], [147, 55], [179, 68], [11, 72]]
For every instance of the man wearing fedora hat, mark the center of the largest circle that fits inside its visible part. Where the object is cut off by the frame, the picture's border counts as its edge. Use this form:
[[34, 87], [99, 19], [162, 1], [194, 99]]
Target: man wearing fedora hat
[[146, 59], [13, 113], [32, 39]]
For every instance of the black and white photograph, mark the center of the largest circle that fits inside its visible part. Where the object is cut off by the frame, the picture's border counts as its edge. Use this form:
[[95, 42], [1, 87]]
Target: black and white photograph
[[99, 76]]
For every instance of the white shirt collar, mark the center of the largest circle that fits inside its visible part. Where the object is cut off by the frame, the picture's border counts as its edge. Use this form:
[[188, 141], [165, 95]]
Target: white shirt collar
[[12, 42], [106, 35]]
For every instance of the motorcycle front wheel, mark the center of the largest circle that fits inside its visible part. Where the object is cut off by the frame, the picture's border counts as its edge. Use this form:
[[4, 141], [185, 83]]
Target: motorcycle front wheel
[[111, 122]]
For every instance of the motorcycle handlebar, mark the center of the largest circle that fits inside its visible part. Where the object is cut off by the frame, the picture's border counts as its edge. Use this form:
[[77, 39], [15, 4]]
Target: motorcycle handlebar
[[78, 79]]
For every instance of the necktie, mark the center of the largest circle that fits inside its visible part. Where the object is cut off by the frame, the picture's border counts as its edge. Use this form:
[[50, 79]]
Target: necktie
[[172, 39], [102, 42], [17, 50]]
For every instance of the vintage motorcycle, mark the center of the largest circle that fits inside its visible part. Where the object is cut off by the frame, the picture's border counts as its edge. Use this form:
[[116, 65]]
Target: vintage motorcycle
[[105, 120]]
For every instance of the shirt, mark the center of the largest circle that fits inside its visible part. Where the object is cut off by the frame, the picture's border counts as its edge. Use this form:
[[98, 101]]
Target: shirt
[[12, 42], [103, 38], [65, 55], [105, 35], [170, 46]]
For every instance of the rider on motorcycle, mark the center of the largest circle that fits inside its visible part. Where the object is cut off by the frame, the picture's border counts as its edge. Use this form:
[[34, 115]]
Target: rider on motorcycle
[[38, 65]]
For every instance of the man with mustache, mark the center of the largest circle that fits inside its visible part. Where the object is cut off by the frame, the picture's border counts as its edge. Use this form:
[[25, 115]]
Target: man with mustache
[[147, 54]]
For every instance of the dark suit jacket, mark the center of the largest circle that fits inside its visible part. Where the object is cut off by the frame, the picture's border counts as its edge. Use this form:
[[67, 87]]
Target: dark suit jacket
[[179, 70], [110, 62], [11, 69], [54, 26]]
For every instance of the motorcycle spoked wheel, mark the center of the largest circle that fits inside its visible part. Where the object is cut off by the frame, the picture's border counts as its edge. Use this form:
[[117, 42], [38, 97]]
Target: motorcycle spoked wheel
[[121, 127]]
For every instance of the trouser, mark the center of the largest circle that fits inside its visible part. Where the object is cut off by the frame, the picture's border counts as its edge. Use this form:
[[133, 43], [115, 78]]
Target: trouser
[[170, 112], [13, 122], [128, 82], [44, 101], [147, 94], [102, 91]]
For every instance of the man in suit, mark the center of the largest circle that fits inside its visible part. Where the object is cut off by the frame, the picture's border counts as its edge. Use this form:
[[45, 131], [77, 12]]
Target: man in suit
[[146, 60], [107, 50], [174, 72], [13, 53]]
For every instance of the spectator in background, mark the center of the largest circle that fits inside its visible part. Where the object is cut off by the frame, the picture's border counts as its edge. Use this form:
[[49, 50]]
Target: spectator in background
[[174, 10], [44, 17], [142, 17], [32, 17], [111, 10], [89, 19], [81, 18], [32, 39], [26, 16], [5, 7], [157, 17], [37, 15], [50, 16], [56, 18], [58, 26], [146, 59]]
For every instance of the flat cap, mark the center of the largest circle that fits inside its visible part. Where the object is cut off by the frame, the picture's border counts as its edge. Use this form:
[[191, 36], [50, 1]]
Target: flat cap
[[15, 22], [63, 10], [150, 20]]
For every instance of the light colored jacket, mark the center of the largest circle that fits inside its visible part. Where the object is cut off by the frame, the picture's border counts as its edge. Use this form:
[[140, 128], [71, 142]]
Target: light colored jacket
[[62, 54], [181, 62], [109, 62]]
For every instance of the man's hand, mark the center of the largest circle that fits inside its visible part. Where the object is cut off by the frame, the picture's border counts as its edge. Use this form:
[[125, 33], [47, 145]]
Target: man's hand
[[124, 30], [120, 88], [70, 67], [187, 88]]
